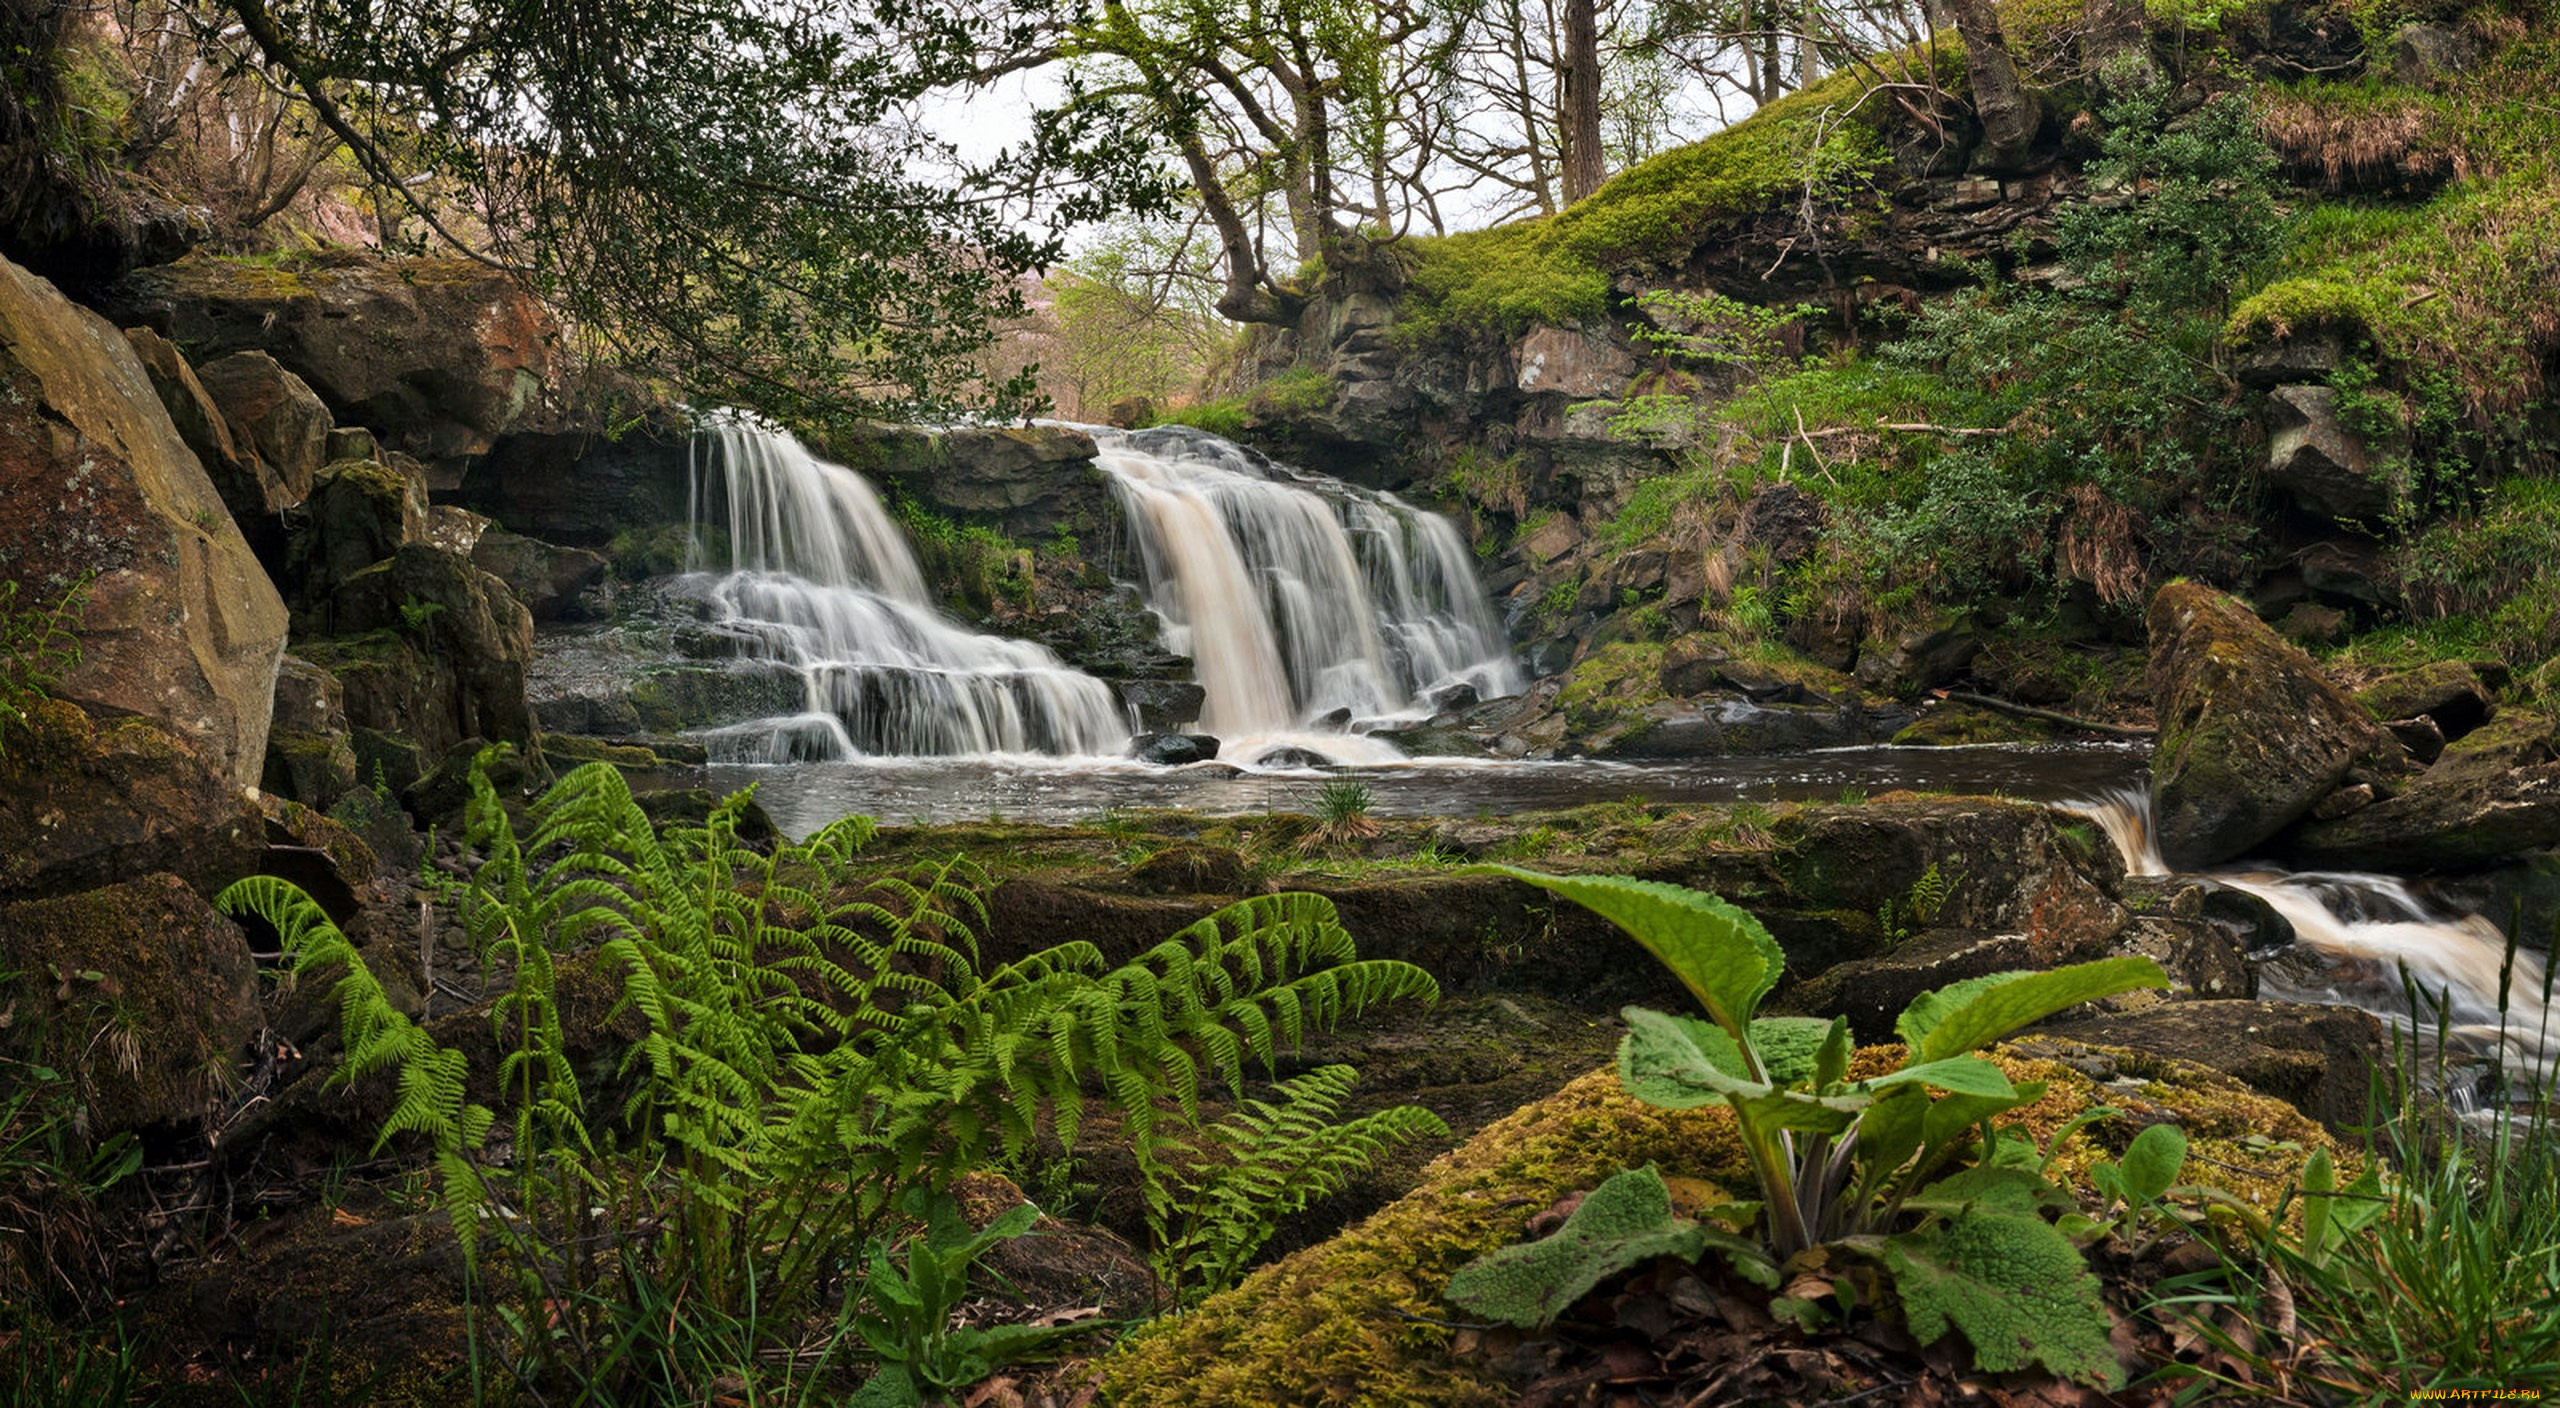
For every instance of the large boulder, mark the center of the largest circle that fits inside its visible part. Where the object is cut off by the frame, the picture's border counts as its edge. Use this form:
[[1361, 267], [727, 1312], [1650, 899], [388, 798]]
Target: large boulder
[[2328, 468], [87, 802], [245, 484], [181, 623], [432, 648], [275, 414], [2315, 1057], [2449, 692], [2252, 734], [141, 991], [359, 513], [549, 580], [311, 756], [2495, 791], [441, 356], [1027, 482]]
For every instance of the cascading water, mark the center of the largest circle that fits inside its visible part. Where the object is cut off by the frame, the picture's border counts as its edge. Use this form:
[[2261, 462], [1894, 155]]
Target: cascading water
[[820, 583], [2356, 935], [1301, 599]]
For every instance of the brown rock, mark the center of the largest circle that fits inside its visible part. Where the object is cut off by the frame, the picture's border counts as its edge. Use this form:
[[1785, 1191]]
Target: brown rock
[[438, 653], [2318, 1059], [2252, 734], [548, 580], [87, 802], [242, 480], [439, 356], [359, 513], [144, 994], [2449, 692], [272, 412], [1572, 362], [181, 623], [2496, 791]]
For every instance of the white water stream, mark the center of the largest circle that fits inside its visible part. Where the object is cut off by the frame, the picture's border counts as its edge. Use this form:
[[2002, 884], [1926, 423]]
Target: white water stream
[[1312, 610], [820, 582], [2372, 939]]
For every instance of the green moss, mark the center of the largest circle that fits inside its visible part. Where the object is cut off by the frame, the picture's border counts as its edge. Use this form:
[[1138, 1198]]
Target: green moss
[[1350, 1321], [1501, 282], [1611, 682], [2461, 286]]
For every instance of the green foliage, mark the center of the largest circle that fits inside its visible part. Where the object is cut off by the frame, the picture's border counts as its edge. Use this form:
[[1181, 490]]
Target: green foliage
[[1623, 1223], [1127, 322], [1500, 282], [2451, 288], [1876, 1166], [2436, 1277], [51, 1176], [912, 1286], [810, 1049], [732, 195], [1266, 1162], [1342, 814], [38, 646]]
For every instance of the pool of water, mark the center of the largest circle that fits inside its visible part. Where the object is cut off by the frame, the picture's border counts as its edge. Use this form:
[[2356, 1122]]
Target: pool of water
[[804, 796]]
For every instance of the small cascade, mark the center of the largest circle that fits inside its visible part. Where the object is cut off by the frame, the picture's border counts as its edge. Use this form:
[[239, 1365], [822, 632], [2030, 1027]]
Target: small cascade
[[818, 581], [2357, 935], [1301, 599]]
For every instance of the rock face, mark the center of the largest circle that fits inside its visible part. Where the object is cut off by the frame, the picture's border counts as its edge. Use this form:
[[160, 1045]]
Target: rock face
[[359, 513], [432, 648], [440, 356], [1026, 483], [2327, 468], [581, 486], [1572, 362], [88, 802], [275, 415], [2252, 735], [158, 1006], [182, 624], [548, 580], [235, 468], [2495, 791]]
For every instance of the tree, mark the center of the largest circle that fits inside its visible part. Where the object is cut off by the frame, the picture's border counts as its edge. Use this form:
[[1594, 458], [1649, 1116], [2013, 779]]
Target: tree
[[739, 193], [2010, 114]]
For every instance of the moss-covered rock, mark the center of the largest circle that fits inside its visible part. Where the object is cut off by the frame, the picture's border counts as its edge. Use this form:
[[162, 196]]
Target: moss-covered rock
[[2252, 734], [2451, 692], [88, 802], [140, 992], [2494, 792], [180, 623], [1355, 1320]]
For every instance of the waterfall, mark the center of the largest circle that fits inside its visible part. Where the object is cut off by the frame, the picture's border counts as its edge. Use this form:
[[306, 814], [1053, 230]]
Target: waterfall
[[819, 582], [1302, 601], [2356, 935]]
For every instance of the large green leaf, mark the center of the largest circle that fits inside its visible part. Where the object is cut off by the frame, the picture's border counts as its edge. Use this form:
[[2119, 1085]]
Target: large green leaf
[[1624, 1222], [2151, 1162], [1682, 1063], [1965, 1075], [1967, 1016], [1791, 1048], [1722, 955], [2014, 1285]]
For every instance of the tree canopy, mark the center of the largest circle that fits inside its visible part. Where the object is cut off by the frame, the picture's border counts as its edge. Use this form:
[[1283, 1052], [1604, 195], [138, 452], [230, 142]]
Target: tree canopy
[[745, 192]]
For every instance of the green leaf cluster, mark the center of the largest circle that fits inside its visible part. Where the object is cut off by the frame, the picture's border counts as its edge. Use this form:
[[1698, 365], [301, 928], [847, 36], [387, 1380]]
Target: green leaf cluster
[[809, 1046], [1906, 1169], [1210, 1212]]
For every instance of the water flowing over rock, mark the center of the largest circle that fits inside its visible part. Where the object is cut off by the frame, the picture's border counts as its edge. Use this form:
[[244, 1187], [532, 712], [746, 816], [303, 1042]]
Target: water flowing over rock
[[182, 624], [2360, 940], [2252, 734], [820, 588], [1297, 596]]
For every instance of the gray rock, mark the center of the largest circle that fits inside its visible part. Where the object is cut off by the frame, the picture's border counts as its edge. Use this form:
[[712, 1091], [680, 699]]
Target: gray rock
[[1173, 749], [2252, 734], [550, 581], [2430, 56], [2327, 468]]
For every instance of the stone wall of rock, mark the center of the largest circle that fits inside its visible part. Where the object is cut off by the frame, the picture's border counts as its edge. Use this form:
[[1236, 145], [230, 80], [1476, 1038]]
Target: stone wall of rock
[[180, 622]]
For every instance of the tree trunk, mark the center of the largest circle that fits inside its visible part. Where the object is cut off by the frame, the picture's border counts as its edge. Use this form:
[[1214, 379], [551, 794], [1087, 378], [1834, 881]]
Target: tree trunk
[[1584, 166], [2009, 113]]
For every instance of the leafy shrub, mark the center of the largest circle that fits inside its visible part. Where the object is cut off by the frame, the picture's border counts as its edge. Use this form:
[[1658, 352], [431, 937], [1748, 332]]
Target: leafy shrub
[[811, 1051], [1906, 1171]]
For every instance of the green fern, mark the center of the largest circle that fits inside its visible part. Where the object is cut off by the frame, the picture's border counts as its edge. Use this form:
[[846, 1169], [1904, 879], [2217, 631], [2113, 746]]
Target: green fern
[[1260, 1165], [811, 1046]]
